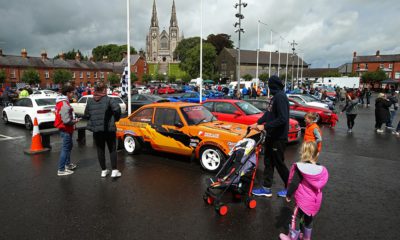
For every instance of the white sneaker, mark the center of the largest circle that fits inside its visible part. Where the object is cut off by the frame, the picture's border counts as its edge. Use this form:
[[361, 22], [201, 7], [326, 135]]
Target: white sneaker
[[65, 172], [379, 131], [104, 173], [115, 173]]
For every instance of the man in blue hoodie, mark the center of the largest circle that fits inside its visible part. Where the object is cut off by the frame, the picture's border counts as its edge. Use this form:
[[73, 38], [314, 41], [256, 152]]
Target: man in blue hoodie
[[276, 123]]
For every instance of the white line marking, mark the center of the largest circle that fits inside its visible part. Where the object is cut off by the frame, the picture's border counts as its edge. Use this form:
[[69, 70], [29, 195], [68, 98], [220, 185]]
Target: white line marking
[[5, 138]]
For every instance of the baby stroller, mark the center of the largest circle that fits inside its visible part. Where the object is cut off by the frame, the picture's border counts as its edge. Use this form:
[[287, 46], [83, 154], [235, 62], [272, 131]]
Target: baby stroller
[[236, 175]]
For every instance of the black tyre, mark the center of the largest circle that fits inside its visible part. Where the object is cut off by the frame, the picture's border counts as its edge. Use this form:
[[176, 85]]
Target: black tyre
[[28, 123], [131, 144], [5, 118], [211, 158]]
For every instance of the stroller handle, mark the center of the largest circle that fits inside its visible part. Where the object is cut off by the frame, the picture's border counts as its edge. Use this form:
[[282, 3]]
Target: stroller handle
[[263, 133]]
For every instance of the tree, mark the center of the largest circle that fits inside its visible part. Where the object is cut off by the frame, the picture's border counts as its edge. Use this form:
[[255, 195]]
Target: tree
[[146, 78], [134, 78], [191, 64], [70, 55], [186, 78], [113, 52], [62, 76], [172, 78], [374, 77], [247, 77], [263, 77], [220, 41], [184, 46], [2, 76], [331, 74], [353, 74], [30, 76], [113, 79]]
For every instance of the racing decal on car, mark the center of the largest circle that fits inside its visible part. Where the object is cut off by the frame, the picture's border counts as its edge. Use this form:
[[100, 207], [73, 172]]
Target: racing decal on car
[[206, 134], [134, 124]]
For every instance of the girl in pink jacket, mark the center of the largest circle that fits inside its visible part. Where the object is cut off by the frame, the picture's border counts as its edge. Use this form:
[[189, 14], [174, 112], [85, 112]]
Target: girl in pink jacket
[[305, 184]]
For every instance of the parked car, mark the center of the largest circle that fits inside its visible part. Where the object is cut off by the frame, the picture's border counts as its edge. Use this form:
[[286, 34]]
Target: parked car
[[24, 111], [79, 107], [139, 100], [140, 90], [213, 94], [181, 128], [294, 114], [330, 103], [323, 113], [239, 111], [192, 97], [307, 100], [47, 93], [165, 90]]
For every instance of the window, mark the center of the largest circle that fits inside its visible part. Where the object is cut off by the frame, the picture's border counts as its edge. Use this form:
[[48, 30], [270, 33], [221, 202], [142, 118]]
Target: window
[[26, 102], [166, 116], [209, 105], [397, 75], [381, 65], [45, 101], [88, 74], [358, 66], [83, 100], [12, 73], [80, 74], [223, 107], [144, 115], [135, 69], [95, 75], [164, 42], [101, 75], [46, 74], [73, 75], [366, 66], [390, 65]]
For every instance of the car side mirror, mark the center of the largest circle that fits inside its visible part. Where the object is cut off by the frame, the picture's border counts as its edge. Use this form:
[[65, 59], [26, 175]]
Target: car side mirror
[[178, 125]]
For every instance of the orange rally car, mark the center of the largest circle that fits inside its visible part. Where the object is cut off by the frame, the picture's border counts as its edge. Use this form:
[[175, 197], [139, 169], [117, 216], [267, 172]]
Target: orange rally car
[[181, 128]]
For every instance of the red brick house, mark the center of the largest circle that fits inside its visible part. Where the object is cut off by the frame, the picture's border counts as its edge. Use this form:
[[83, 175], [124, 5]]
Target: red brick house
[[138, 66]]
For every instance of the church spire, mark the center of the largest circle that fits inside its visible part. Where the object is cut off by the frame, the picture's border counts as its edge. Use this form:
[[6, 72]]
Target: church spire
[[154, 19], [173, 21]]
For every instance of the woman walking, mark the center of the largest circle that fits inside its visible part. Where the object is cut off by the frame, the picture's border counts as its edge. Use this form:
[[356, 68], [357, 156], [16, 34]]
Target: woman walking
[[382, 114], [351, 109], [102, 112]]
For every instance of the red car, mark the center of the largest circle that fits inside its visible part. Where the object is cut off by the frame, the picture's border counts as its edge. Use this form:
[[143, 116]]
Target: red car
[[239, 111], [323, 113], [165, 90]]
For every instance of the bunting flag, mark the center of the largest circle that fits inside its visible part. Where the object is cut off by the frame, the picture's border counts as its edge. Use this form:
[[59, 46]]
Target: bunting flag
[[124, 82]]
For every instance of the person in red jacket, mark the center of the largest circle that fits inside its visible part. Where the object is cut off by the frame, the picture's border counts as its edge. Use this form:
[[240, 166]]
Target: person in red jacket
[[65, 121], [313, 132]]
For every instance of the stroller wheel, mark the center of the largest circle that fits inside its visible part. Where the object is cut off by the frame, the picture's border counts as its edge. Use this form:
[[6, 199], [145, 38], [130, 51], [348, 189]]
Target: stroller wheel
[[251, 203], [222, 210], [208, 200]]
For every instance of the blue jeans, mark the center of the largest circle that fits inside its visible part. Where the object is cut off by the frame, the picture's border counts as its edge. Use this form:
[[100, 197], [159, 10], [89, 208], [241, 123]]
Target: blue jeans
[[392, 115], [65, 155]]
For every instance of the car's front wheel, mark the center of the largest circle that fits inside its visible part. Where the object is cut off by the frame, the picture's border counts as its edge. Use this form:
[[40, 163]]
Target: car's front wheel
[[211, 158], [131, 144], [5, 118]]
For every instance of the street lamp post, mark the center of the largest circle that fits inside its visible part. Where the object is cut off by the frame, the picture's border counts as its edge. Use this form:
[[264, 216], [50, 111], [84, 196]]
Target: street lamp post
[[258, 51], [287, 61], [201, 51], [239, 30], [293, 44], [279, 52], [128, 55]]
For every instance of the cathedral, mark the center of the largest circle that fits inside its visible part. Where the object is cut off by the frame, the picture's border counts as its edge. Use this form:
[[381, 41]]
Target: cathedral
[[160, 47]]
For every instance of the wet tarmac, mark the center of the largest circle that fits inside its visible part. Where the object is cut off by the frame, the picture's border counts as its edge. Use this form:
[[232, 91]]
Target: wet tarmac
[[160, 196]]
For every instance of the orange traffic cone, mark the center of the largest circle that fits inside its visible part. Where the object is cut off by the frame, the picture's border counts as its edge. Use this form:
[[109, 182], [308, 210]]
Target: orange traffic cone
[[36, 145]]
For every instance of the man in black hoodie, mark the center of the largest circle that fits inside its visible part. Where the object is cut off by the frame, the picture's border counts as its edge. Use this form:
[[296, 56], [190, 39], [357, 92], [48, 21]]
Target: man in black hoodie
[[276, 123]]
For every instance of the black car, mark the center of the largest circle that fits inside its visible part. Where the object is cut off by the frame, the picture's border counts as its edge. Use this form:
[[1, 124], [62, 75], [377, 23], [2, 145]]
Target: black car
[[262, 105], [139, 100]]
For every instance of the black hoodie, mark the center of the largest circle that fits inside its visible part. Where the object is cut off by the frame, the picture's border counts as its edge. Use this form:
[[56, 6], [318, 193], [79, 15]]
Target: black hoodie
[[276, 117]]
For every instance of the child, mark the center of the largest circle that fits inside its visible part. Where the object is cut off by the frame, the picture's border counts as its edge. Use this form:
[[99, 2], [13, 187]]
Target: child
[[306, 181], [313, 132]]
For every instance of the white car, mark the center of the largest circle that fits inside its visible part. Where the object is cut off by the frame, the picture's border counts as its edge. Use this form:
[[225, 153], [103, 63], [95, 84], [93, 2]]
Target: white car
[[47, 93], [142, 90], [79, 107], [24, 111], [306, 100]]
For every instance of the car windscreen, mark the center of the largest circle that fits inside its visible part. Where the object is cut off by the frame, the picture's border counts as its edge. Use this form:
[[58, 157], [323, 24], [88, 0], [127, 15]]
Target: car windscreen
[[45, 101], [197, 114], [308, 98], [248, 108]]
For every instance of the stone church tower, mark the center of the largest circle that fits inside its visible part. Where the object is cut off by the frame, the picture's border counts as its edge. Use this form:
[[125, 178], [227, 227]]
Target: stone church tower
[[160, 47]]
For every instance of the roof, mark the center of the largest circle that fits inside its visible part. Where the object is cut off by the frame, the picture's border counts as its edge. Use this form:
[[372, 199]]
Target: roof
[[172, 104], [250, 57], [38, 62], [377, 58]]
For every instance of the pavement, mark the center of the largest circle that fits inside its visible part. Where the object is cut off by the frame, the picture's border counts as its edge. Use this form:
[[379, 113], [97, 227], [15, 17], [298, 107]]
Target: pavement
[[160, 196]]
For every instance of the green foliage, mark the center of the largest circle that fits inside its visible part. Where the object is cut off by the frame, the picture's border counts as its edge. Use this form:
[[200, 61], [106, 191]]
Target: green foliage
[[2, 76], [161, 77], [247, 77], [283, 76], [263, 77], [155, 76], [220, 41], [112, 51], [191, 64], [30, 76], [184, 46], [153, 68], [113, 79], [172, 78], [176, 71], [62, 76], [353, 74], [134, 78], [331, 74], [71, 55], [146, 78], [374, 77], [186, 78]]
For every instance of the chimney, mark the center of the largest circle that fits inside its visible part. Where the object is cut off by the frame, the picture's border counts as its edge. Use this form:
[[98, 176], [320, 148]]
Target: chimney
[[354, 54], [77, 57], [377, 53], [62, 55], [44, 55], [24, 53]]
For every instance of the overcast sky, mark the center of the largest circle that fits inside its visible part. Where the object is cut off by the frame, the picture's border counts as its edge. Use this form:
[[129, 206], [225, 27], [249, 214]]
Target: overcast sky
[[328, 32]]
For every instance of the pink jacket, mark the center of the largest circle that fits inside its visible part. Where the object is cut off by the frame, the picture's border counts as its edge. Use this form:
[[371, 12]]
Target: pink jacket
[[308, 195]]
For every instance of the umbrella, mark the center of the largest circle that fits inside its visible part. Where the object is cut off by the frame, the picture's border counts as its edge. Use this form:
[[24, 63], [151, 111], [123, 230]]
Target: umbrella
[[208, 81]]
